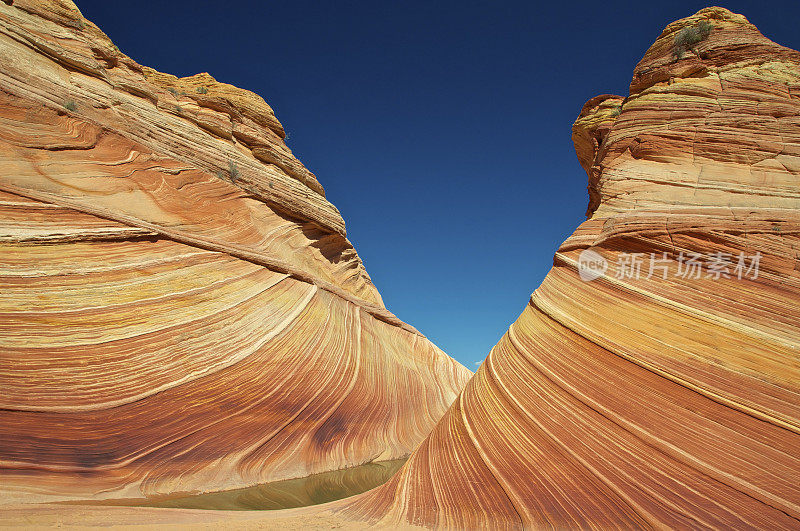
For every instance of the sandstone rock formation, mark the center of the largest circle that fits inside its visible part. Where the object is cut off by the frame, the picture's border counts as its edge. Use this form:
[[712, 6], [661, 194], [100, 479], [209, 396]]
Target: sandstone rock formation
[[662, 402], [180, 309]]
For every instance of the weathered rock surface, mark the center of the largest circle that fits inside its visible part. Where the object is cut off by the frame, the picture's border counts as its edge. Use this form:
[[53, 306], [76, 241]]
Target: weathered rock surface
[[662, 402], [180, 309]]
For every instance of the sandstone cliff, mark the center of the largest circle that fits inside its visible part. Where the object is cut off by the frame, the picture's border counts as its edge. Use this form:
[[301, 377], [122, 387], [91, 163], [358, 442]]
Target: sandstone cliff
[[180, 309], [671, 401]]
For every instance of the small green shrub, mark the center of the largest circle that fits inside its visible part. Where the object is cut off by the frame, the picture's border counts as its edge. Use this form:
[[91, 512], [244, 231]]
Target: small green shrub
[[616, 111], [233, 171], [71, 106], [173, 91], [202, 90], [688, 37]]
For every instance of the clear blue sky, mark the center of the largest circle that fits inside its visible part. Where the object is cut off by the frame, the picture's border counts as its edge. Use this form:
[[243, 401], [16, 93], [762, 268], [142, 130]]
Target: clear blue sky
[[441, 130]]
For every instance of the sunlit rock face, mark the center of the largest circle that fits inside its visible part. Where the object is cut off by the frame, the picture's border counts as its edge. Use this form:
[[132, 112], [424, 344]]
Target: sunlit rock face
[[622, 401], [180, 309]]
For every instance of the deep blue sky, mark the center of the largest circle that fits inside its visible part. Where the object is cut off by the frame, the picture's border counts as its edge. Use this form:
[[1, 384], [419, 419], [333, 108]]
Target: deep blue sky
[[441, 130]]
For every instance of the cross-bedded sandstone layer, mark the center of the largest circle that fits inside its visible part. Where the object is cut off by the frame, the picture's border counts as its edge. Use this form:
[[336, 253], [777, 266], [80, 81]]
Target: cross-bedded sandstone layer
[[664, 402], [180, 309]]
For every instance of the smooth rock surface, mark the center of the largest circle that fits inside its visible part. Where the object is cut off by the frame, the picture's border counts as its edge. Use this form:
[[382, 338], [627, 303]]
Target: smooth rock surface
[[662, 402], [180, 309]]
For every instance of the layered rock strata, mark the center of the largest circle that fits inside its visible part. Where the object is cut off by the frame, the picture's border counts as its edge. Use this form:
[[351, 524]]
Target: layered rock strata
[[180, 308], [654, 382]]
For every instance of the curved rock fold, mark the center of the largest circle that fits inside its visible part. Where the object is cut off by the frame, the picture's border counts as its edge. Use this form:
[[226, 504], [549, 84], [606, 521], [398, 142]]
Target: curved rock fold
[[662, 399], [180, 308]]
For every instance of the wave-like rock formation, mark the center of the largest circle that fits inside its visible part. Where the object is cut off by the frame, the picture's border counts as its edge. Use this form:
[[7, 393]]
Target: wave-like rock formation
[[664, 402], [180, 308]]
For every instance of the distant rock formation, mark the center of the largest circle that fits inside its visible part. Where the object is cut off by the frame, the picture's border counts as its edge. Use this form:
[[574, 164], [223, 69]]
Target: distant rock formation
[[180, 309], [623, 401]]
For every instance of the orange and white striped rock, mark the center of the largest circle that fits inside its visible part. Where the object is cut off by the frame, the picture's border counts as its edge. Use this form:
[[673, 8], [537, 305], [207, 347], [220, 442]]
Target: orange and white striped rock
[[661, 402], [180, 309]]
